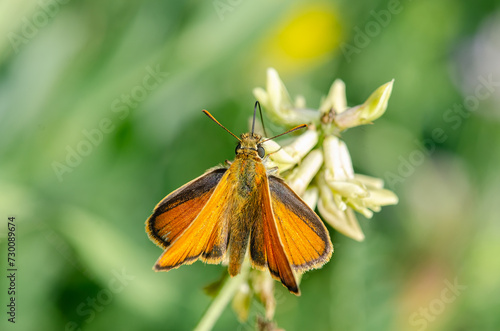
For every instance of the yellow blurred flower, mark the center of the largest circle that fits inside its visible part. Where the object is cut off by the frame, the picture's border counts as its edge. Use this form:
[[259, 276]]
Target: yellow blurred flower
[[306, 35]]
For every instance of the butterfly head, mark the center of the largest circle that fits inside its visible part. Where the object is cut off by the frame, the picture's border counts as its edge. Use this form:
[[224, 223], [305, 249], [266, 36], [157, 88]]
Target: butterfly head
[[250, 143]]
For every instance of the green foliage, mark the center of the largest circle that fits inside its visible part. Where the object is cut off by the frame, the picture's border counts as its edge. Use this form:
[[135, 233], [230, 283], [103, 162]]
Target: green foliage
[[82, 165]]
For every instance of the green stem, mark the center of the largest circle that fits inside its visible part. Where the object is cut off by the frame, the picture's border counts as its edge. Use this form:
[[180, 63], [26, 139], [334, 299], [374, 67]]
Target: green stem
[[222, 299]]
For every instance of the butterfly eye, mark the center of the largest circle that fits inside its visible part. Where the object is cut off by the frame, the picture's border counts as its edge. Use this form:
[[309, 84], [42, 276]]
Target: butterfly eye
[[261, 151], [236, 149]]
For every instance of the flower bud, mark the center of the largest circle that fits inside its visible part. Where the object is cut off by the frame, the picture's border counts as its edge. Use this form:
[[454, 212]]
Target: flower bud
[[242, 301], [311, 196], [343, 221], [302, 144], [370, 110], [278, 104], [335, 99], [305, 172]]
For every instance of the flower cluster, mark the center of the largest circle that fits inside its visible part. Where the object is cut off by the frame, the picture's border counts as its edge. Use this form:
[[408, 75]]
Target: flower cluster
[[317, 164]]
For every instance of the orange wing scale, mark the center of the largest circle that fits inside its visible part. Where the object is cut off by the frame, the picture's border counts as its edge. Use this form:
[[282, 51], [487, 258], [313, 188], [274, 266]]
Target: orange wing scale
[[291, 236], [188, 225], [277, 260], [303, 235]]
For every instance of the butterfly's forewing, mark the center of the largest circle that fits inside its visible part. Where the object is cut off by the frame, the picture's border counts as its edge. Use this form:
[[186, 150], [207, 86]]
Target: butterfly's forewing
[[303, 235], [266, 248], [177, 210], [191, 222]]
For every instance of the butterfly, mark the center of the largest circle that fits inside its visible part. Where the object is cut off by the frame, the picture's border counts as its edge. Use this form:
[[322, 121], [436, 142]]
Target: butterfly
[[243, 207]]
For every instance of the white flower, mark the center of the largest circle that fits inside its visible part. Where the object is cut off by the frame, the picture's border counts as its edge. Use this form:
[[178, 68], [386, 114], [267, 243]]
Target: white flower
[[344, 190], [302, 175], [323, 174], [276, 100], [287, 157], [370, 110], [280, 108], [335, 99]]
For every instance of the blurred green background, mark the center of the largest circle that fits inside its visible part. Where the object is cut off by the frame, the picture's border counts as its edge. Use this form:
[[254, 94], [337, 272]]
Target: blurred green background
[[100, 118]]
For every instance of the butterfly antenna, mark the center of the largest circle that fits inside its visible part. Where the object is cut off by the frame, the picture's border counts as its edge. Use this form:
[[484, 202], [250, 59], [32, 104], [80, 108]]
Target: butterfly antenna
[[291, 130], [261, 118], [222, 126], [254, 113]]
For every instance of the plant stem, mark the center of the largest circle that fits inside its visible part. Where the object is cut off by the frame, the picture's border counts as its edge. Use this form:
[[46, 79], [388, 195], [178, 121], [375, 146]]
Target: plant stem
[[222, 299]]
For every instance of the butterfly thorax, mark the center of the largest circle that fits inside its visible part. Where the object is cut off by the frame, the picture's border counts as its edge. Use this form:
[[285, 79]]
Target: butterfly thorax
[[247, 167]]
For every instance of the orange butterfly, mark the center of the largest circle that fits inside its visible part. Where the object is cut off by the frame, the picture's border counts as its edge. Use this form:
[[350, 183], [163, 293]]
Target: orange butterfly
[[220, 215]]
